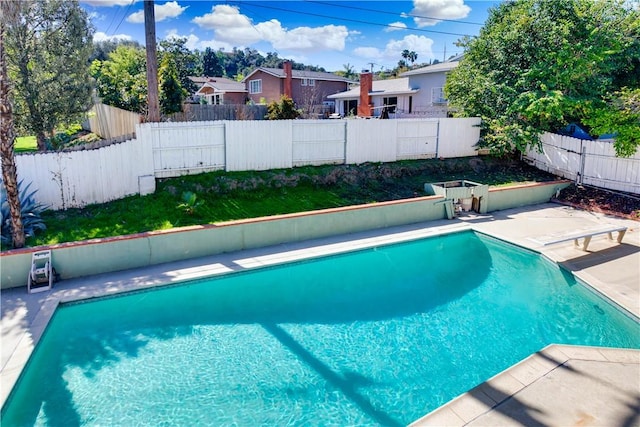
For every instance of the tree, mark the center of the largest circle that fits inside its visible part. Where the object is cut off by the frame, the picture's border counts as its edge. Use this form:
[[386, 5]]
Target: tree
[[211, 64], [409, 56], [348, 72], [7, 136], [283, 110], [121, 80], [102, 49], [538, 65], [171, 92], [620, 112], [188, 63], [48, 45]]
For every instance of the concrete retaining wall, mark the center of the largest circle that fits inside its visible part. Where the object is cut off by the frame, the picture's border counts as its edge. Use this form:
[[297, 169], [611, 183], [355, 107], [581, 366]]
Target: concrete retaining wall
[[97, 256], [501, 198]]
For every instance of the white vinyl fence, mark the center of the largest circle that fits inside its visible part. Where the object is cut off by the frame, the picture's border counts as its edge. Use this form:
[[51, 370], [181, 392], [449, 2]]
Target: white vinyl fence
[[587, 162], [78, 178], [169, 149]]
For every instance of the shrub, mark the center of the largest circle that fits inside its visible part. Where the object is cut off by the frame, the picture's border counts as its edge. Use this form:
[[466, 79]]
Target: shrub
[[30, 209], [283, 110]]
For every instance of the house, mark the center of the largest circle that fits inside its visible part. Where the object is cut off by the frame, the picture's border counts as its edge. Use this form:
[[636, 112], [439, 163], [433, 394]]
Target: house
[[376, 97], [418, 92], [431, 79], [219, 90], [308, 89]]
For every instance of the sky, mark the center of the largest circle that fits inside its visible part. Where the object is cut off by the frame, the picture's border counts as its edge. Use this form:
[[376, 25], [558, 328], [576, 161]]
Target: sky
[[331, 34]]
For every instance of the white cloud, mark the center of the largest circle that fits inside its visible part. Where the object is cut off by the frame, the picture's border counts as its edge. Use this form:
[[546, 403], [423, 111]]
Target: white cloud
[[329, 37], [170, 9], [438, 9], [393, 49], [194, 42], [217, 45], [107, 3], [369, 53], [418, 44], [395, 26], [231, 26], [192, 39], [100, 37]]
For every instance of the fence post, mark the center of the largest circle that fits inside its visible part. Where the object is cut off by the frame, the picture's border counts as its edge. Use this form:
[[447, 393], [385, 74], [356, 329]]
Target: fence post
[[437, 137], [583, 155]]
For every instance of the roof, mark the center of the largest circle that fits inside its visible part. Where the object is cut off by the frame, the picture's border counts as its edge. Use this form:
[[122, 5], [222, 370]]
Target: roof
[[300, 74], [380, 87], [440, 67], [221, 84]]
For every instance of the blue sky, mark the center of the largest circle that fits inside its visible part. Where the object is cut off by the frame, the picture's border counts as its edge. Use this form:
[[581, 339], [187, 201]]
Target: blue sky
[[329, 34]]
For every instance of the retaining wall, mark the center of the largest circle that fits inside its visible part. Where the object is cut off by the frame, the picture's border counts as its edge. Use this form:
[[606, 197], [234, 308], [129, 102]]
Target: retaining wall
[[97, 256]]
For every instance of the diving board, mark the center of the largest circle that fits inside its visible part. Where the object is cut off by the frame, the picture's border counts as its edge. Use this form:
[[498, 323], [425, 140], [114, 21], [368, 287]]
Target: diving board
[[585, 234]]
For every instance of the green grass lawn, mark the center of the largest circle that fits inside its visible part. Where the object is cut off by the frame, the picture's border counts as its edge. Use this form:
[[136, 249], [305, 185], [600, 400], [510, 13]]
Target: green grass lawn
[[224, 196], [25, 144]]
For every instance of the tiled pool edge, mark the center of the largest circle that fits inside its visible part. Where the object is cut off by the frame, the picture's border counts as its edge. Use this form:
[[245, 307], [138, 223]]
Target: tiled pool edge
[[497, 390]]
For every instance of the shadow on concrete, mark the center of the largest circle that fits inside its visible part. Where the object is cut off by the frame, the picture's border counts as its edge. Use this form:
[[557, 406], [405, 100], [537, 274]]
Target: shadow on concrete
[[527, 415], [584, 260]]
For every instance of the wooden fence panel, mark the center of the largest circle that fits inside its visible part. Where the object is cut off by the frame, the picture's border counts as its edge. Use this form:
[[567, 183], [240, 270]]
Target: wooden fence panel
[[258, 145], [603, 169], [207, 113], [111, 122], [560, 155], [185, 148], [69, 179], [588, 162], [371, 141], [417, 139], [458, 137], [40, 171], [318, 142]]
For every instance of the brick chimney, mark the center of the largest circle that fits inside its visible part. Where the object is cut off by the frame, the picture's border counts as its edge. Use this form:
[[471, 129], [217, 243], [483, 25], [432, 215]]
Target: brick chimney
[[287, 79], [366, 85]]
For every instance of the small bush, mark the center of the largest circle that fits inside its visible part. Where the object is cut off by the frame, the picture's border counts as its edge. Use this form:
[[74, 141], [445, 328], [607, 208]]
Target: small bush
[[283, 110]]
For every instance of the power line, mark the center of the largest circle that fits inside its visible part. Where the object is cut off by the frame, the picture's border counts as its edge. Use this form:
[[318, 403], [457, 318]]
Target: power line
[[123, 16], [392, 13], [358, 21]]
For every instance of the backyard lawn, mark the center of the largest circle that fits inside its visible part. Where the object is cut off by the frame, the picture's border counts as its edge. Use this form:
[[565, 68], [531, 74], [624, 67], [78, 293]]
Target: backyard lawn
[[25, 143], [222, 196]]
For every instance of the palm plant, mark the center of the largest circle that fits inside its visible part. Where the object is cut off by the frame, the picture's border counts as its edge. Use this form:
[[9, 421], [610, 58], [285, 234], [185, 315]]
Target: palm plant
[[30, 209]]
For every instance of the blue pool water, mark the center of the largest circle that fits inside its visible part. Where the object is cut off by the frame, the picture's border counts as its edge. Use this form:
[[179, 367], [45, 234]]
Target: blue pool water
[[374, 337]]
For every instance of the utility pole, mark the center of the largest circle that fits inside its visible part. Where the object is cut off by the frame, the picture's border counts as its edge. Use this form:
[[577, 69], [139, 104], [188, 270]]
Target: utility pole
[[153, 107]]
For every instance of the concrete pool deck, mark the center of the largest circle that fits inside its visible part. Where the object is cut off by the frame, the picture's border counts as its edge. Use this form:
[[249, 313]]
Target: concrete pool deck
[[560, 385]]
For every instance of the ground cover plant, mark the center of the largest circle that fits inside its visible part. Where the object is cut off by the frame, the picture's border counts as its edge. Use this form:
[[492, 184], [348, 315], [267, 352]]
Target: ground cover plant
[[223, 196]]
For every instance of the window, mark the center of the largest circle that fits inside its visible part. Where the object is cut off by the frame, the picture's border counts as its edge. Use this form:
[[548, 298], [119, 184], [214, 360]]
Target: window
[[390, 103], [437, 96], [308, 82], [255, 86], [218, 99]]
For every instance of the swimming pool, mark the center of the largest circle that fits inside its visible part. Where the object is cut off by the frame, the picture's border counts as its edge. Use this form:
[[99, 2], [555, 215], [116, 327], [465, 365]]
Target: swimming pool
[[380, 336]]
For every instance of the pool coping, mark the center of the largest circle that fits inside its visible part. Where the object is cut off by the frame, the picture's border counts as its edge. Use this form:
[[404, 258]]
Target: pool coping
[[84, 288], [471, 406]]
